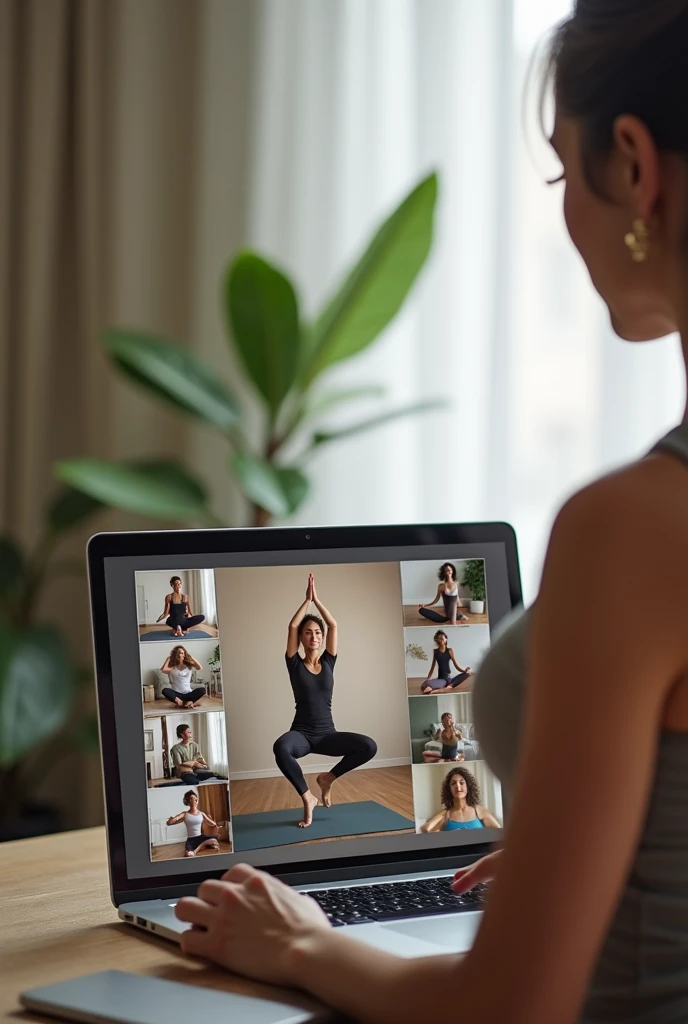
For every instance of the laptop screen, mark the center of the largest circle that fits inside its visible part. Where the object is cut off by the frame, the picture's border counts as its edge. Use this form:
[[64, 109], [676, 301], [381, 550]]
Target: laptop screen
[[297, 706]]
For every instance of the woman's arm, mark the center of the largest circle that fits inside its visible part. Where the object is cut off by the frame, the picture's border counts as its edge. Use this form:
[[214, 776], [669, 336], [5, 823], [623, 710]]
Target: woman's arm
[[488, 819], [434, 824], [188, 604], [432, 667], [176, 818], [456, 664], [206, 817], [166, 612], [196, 664], [297, 619], [435, 598], [166, 665], [330, 622]]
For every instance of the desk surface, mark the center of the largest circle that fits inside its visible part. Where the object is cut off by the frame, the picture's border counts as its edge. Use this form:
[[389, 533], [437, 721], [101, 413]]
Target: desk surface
[[57, 921]]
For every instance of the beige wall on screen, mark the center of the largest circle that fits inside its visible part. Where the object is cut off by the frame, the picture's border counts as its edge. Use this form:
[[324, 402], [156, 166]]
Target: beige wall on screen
[[255, 606]]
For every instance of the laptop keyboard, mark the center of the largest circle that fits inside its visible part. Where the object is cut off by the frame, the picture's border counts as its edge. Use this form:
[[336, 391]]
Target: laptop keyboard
[[389, 901]]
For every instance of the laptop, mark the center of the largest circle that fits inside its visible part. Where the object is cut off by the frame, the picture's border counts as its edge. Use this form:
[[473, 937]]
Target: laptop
[[205, 754]]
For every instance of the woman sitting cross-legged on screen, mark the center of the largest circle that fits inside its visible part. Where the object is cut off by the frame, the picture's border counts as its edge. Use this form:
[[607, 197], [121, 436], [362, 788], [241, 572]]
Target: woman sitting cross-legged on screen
[[177, 610], [448, 591], [443, 657], [178, 667], [460, 796], [194, 819], [313, 730]]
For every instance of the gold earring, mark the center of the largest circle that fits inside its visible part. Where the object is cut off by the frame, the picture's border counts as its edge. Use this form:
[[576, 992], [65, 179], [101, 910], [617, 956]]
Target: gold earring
[[638, 240]]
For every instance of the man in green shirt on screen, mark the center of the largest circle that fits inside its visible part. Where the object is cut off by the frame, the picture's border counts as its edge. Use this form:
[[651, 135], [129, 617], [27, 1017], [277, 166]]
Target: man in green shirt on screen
[[189, 764]]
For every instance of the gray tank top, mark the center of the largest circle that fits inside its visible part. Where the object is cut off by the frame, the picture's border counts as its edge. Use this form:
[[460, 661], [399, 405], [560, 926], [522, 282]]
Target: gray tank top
[[641, 974]]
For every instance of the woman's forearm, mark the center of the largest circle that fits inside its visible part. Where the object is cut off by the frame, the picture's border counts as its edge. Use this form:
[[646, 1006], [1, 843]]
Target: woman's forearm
[[329, 619], [372, 986], [298, 617]]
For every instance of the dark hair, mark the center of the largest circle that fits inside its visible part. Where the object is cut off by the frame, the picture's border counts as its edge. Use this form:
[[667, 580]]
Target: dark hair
[[181, 729], [440, 632], [446, 565], [186, 659], [613, 57], [174, 580], [186, 799], [311, 618], [446, 714], [472, 788]]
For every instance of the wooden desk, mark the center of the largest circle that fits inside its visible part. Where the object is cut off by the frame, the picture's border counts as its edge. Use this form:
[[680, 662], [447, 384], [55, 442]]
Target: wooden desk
[[57, 921]]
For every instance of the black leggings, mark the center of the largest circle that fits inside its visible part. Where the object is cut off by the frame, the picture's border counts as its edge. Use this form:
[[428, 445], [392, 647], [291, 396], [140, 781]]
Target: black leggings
[[353, 748], [192, 778], [192, 695], [186, 623], [450, 609]]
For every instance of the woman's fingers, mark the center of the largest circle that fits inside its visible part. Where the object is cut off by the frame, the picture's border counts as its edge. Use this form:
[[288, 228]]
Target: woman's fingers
[[239, 873], [194, 911], [482, 871], [214, 891]]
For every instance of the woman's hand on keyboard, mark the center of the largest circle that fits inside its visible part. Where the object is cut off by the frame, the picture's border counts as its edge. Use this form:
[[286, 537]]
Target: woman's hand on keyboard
[[249, 922], [482, 870]]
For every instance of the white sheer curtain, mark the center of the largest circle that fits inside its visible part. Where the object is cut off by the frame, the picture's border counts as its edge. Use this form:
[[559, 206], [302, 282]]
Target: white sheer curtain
[[352, 102], [212, 739]]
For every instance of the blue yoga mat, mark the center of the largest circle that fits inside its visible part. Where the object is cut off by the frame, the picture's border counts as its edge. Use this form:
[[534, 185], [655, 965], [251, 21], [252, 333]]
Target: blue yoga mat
[[165, 634], [280, 828]]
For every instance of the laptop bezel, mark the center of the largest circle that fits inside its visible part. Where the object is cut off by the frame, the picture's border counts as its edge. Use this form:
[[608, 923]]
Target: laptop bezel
[[175, 543]]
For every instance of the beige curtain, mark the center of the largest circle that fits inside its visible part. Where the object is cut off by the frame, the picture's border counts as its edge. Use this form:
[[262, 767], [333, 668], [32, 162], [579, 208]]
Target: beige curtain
[[123, 148]]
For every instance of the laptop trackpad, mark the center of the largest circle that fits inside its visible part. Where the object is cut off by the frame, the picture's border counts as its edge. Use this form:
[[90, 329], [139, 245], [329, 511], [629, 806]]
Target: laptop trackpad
[[456, 932]]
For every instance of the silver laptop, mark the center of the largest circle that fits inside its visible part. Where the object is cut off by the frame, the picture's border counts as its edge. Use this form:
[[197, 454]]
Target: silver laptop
[[212, 728]]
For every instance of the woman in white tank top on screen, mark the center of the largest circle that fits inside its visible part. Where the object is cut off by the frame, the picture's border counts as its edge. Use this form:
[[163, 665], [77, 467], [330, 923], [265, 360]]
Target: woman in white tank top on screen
[[587, 917], [194, 820]]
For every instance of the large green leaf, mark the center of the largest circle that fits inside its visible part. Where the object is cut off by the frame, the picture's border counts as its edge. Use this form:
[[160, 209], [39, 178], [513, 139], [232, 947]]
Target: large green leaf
[[325, 436], [36, 685], [262, 315], [278, 489], [70, 508], [11, 563], [161, 489], [174, 374], [375, 289]]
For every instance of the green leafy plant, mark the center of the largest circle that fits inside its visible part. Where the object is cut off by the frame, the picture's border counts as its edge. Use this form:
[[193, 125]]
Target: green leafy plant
[[41, 709], [417, 652], [214, 659], [283, 359], [474, 578]]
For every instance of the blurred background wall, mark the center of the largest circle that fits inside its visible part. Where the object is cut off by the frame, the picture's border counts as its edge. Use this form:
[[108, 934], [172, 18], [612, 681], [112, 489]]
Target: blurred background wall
[[144, 142]]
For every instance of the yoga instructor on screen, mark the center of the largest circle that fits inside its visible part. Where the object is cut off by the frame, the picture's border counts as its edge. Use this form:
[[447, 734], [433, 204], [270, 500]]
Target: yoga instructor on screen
[[313, 731]]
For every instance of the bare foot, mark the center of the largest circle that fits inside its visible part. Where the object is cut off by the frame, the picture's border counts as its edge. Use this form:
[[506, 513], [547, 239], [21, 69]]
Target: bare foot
[[325, 782], [189, 853], [310, 802], [196, 703], [178, 631], [188, 704], [178, 701]]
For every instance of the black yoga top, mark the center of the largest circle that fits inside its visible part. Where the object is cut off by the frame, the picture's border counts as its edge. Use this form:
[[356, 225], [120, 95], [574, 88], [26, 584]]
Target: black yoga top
[[312, 693], [177, 612], [443, 659]]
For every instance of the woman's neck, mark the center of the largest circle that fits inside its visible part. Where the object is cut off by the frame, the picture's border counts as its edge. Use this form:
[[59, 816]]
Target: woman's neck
[[312, 657], [459, 805]]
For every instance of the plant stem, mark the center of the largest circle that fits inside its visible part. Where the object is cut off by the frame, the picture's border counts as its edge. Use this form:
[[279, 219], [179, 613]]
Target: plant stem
[[259, 516]]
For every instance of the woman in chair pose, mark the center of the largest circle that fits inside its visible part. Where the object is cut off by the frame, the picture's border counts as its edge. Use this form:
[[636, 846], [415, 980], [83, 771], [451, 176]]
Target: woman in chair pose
[[313, 730], [178, 667], [443, 657], [177, 611], [460, 797], [448, 592], [587, 919], [194, 819]]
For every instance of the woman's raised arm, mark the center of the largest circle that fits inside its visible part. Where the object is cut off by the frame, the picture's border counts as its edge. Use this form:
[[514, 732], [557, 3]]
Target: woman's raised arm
[[165, 667], [330, 622], [434, 824], [297, 619]]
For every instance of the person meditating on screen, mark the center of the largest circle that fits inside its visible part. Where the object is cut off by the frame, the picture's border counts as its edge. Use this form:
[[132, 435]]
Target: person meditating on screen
[[177, 611], [460, 797], [443, 656], [451, 736], [313, 731], [193, 819], [448, 591], [189, 764], [178, 667]]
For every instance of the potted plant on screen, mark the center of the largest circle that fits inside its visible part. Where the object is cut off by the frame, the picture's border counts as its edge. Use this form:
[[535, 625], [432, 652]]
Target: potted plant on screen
[[474, 580]]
